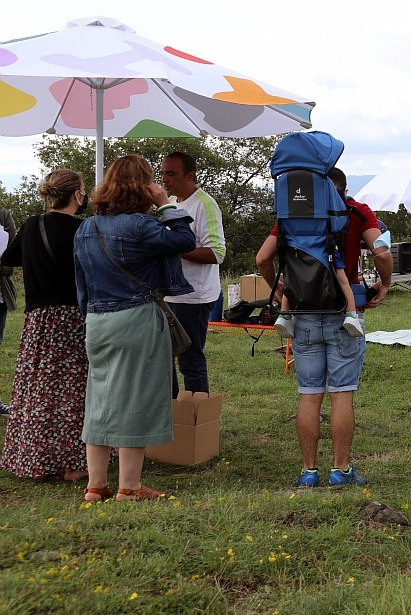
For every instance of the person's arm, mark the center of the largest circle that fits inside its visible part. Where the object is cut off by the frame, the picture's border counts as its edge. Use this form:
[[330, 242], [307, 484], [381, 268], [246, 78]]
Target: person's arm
[[10, 228], [383, 263], [265, 263], [265, 259], [201, 255], [12, 255], [9, 225]]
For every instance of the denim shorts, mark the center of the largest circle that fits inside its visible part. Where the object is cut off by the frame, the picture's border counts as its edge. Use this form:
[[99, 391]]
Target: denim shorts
[[325, 356]]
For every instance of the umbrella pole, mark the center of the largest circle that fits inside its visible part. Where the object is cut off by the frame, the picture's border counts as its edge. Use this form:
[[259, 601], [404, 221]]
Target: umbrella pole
[[99, 134]]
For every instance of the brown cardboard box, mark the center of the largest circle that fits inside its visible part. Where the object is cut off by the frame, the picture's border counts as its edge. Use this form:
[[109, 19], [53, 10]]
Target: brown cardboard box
[[253, 287], [196, 426]]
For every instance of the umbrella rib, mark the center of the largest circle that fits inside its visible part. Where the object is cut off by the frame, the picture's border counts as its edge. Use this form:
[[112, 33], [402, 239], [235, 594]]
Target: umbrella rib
[[98, 84], [52, 129], [292, 116], [202, 132]]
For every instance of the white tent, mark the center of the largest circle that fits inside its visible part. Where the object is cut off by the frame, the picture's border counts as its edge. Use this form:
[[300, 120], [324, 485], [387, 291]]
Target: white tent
[[389, 189]]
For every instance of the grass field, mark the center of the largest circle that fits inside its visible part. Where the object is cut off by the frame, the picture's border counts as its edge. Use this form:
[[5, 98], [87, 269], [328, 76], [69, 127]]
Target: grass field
[[235, 537]]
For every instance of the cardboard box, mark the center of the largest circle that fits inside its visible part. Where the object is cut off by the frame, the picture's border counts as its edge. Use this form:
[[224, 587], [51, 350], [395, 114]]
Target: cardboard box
[[196, 427], [253, 287]]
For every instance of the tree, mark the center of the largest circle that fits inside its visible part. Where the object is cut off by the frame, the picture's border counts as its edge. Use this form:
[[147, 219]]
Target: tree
[[399, 223], [24, 201], [234, 171]]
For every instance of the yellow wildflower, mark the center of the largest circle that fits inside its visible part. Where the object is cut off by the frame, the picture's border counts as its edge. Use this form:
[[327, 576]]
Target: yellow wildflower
[[133, 596], [100, 589]]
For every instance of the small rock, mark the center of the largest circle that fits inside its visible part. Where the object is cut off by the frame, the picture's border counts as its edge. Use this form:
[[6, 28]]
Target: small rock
[[382, 513]]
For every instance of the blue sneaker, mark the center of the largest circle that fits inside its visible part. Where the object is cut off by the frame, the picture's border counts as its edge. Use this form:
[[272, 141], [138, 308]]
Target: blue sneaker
[[338, 477], [308, 478]]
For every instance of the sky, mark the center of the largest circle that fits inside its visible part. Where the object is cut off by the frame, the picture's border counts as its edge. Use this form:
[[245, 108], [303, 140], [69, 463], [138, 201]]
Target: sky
[[353, 59]]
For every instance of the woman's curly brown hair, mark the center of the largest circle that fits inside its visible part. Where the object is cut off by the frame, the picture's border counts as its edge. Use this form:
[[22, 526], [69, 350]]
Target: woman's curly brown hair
[[124, 187]]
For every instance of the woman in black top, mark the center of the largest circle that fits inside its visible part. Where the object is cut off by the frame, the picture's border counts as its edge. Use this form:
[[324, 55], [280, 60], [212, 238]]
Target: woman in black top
[[47, 402]]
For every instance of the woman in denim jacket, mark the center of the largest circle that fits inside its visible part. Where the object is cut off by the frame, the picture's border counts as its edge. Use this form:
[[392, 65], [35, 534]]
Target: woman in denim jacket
[[129, 386]]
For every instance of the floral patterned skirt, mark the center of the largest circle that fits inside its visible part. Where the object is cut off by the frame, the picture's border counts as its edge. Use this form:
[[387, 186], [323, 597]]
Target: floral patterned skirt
[[43, 435]]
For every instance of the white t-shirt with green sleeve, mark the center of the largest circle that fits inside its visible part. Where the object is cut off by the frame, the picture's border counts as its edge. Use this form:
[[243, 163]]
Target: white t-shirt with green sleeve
[[207, 227]]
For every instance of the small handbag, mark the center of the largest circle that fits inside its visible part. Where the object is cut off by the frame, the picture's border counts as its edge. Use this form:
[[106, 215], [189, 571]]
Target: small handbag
[[180, 339]]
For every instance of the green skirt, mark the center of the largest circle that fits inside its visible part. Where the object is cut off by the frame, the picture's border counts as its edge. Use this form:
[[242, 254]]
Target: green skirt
[[129, 384]]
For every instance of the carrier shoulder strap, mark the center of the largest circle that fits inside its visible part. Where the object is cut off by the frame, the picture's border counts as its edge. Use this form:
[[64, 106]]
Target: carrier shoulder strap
[[353, 209]]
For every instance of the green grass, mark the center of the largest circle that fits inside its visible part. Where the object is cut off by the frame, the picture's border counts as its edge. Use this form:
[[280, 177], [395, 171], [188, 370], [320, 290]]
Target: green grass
[[236, 538]]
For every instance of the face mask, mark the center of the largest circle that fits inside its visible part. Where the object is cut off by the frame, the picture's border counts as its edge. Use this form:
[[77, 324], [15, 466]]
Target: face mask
[[82, 206]]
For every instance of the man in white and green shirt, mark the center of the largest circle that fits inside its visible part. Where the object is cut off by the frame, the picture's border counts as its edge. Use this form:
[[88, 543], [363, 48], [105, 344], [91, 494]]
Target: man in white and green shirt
[[200, 266]]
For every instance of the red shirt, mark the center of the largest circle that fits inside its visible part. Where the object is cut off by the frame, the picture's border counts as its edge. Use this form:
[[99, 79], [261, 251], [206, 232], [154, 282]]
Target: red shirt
[[353, 237]]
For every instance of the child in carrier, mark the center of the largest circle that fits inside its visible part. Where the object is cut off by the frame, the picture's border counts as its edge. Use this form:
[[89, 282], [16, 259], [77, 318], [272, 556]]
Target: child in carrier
[[285, 325]]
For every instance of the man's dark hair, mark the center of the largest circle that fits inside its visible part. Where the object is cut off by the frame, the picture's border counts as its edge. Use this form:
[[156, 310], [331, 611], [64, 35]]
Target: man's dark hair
[[188, 161], [338, 178]]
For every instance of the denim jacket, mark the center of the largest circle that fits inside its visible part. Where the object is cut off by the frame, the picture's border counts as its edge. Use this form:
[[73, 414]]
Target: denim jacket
[[146, 246]]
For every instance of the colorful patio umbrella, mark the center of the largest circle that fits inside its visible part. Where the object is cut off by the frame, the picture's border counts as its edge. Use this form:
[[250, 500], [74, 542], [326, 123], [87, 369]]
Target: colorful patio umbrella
[[389, 189], [97, 77]]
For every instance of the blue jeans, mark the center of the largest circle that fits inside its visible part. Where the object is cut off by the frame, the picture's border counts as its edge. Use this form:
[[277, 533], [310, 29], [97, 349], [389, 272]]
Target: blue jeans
[[192, 363], [3, 315], [325, 355]]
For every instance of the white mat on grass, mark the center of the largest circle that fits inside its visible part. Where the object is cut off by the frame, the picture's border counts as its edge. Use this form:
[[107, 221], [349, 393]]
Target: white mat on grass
[[402, 336]]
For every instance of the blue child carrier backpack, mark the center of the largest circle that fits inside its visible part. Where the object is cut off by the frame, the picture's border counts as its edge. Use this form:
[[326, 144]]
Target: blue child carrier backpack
[[311, 217]]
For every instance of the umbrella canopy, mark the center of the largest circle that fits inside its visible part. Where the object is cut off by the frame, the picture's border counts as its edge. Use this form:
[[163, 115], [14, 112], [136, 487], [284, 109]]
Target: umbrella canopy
[[97, 77], [388, 190]]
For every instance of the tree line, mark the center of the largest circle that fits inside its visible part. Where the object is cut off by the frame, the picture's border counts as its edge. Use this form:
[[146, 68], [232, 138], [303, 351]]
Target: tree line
[[234, 171]]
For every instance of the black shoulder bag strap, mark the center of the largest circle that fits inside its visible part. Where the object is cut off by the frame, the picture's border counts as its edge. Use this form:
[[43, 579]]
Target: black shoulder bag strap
[[179, 337], [45, 240], [117, 264]]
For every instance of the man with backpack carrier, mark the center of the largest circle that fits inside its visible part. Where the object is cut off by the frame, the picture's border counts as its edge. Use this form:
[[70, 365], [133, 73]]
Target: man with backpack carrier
[[326, 357]]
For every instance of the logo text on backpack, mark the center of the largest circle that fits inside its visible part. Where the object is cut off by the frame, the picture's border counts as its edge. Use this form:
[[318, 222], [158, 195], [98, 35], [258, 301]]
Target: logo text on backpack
[[299, 195]]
